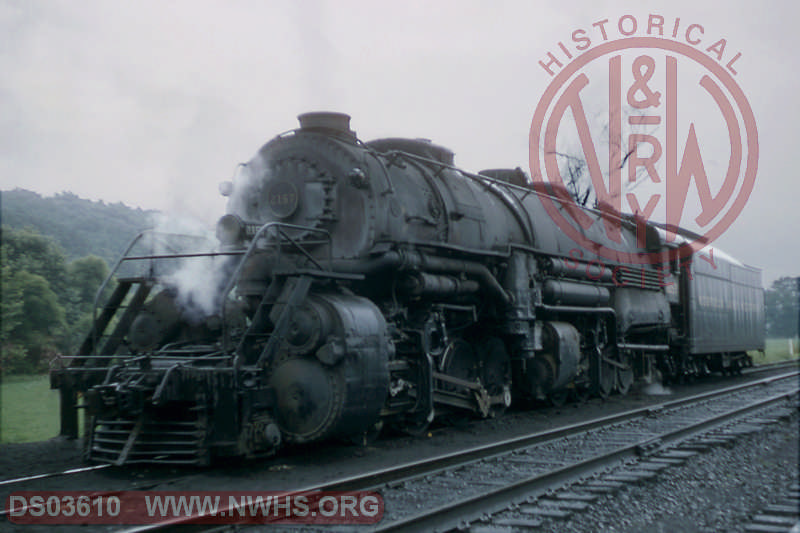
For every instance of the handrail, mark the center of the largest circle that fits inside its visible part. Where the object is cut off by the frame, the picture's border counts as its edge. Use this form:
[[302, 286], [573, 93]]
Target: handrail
[[279, 228], [254, 244], [125, 257]]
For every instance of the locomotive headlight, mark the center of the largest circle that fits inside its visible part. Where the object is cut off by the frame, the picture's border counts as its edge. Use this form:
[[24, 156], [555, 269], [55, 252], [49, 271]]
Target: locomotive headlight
[[230, 230], [226, 188]]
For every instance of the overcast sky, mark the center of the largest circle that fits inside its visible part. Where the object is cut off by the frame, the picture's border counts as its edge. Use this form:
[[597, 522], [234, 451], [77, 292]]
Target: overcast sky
[[153, 103]]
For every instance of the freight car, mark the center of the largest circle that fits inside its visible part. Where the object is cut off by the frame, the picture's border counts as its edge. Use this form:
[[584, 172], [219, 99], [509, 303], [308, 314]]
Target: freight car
[[354, 285]]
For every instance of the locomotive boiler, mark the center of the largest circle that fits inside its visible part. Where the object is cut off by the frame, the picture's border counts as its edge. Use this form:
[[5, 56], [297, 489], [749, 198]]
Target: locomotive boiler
[[354, 285]]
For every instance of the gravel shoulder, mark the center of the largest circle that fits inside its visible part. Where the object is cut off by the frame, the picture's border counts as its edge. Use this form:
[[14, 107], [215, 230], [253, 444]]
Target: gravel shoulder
[[716, 491]]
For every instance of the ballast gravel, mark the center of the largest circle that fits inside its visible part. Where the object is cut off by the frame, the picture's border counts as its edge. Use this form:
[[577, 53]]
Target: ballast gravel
[[719, 490]]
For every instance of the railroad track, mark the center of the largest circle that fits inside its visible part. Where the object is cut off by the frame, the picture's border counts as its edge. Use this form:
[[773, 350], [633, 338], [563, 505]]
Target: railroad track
[[398, 477], [770, 367], [470, 487], [67, 472], [584, 464]]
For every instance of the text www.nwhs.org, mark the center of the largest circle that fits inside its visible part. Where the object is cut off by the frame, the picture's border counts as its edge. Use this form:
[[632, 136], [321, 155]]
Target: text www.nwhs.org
[[344, 506]]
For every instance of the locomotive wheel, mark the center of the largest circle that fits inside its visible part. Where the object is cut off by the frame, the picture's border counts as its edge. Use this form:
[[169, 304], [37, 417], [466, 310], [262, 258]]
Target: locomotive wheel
[[416, 427], [558, 398], [496, 372], [690, 371], [309, 398], [460, 361], [703, 368], [624, 380], [603, 374], [607, 380], [369, 436], [583, 393]]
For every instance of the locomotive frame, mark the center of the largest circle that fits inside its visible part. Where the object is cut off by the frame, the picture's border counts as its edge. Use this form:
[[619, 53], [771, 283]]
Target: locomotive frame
[[361, 284]]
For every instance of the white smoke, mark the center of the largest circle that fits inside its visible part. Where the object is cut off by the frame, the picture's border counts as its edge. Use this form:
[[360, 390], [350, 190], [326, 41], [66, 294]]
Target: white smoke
[[249, 181], [198, 283], [196, 280], [180, 225]]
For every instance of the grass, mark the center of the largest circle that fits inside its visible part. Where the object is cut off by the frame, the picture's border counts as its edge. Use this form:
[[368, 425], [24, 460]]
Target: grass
[[28, 409], [777, 350]]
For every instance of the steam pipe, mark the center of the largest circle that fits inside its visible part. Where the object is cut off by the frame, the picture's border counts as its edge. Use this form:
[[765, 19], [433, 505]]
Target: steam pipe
[[413, 259], [645, 347], [422, 283], [575, 309], [582, 270]]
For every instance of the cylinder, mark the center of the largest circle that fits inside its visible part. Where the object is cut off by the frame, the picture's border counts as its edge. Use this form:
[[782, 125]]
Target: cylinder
[[340, 391], [594, 271], [558, 292], [424, 284]]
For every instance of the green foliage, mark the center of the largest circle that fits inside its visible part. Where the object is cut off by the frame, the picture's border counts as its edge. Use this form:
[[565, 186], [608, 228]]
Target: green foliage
[[43, 315], [782, 301], [14, 359], [55, 255], [46, 303], [85, 275], [11, 301], [27, 250], [29, 343], [79, 226]]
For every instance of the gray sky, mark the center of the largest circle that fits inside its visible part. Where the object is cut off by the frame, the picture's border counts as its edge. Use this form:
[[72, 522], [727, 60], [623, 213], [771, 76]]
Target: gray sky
[[153, 103]]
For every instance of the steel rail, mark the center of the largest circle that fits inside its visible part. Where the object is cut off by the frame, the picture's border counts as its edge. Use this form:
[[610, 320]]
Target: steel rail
[[335, 484], [53, 474], [424, 467], [436, 464], [789, 363], [475, 507]]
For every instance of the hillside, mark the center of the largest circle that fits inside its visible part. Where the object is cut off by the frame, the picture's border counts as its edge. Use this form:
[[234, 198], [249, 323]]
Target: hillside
[[81, 227]]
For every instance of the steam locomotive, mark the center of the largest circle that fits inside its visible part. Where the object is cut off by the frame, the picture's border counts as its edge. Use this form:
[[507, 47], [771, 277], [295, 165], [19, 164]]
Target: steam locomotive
[[354, 285]]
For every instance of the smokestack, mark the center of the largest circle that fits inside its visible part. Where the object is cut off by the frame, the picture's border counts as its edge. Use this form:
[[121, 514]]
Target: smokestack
[[327, 122]]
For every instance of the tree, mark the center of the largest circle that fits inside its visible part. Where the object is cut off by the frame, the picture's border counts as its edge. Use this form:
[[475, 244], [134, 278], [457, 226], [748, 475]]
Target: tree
[[27, 250], [81, 227], [782, 300], [13, 357], [39, 319], [46, 303], [85, 275], [10, 303]]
